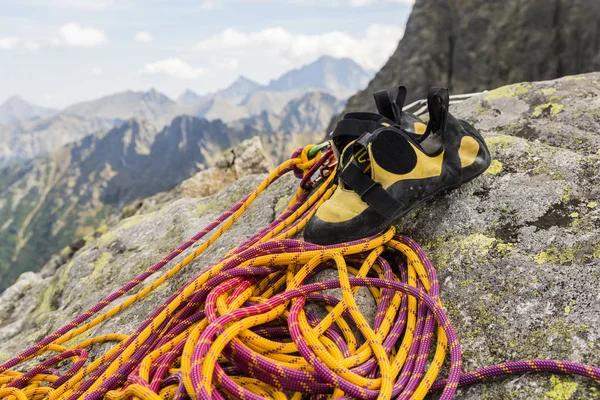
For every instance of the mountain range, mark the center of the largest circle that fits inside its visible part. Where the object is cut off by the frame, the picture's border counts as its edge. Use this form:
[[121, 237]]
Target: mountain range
[[49, 201], [244, 98], [68, 171], [27, 130]]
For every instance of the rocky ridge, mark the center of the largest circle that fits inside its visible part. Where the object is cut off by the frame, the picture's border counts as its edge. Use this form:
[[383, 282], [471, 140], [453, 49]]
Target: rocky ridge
[[517, 250], [469, 46]]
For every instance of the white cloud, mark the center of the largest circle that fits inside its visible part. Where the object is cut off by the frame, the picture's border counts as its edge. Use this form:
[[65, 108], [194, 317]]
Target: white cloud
[[370, 48], [229, 63], [143, 36], [32, 46], [172, 67], [8, 43], [71, 34], [74, 34], [97, 71]]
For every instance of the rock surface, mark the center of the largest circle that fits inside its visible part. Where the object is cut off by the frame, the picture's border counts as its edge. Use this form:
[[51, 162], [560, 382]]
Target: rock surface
[[247, 158], [517, 250], [469, 46]]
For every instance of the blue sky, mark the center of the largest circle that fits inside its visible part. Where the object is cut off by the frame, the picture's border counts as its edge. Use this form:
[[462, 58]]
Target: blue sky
[[57, 52]]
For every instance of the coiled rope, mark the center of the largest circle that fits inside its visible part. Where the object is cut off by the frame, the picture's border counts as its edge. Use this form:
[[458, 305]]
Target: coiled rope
[[242, 328]]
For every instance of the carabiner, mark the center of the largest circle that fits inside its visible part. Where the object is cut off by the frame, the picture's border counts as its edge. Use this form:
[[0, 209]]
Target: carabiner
[[313, 152]]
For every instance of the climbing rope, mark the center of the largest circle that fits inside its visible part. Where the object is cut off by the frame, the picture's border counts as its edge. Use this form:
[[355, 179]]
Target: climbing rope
[[263, 323]]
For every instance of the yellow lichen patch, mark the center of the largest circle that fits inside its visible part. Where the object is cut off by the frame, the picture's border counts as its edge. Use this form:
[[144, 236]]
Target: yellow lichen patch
[[509, 91], [494, 168], [554, 109], [570, 306], [205, 207], [596, 252], [107, 238], [499, 142], [592, 204], [65, 251], [99, 266], [45, 305], [574, 78], [131, 222], [103, 260], [476, 241], [547, 91], [4, 356], [504, 248], [561, 389], [555, 256]]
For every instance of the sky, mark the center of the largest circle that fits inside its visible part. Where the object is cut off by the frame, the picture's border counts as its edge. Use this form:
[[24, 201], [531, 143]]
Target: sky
[[59, 52]]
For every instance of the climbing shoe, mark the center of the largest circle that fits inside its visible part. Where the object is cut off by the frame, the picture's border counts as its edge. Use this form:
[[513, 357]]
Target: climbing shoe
[[389, 106], [388, 171]]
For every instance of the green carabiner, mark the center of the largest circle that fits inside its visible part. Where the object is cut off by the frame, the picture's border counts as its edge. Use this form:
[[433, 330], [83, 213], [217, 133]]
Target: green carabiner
[[313, 152]]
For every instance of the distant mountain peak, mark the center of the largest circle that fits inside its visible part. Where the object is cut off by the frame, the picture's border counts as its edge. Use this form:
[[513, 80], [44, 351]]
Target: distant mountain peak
[[242, 83], [150, 105], [15, 99], [244, 79], [238, 90], [339, 76], [328, 58], [155, 96], [188, 92], [15, 108]]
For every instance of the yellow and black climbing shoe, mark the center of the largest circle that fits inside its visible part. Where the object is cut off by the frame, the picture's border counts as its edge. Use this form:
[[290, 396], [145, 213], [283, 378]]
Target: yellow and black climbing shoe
[[389, 105], [388, 171]]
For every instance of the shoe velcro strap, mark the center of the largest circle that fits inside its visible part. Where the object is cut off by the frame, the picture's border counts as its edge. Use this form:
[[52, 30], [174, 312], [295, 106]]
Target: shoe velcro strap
[[370, 192], [354, 128], [390, 102]]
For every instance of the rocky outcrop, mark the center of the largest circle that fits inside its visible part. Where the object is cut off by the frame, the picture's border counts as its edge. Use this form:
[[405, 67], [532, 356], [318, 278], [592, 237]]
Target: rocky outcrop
[[517, 250], [247, 158], [469, 46]]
